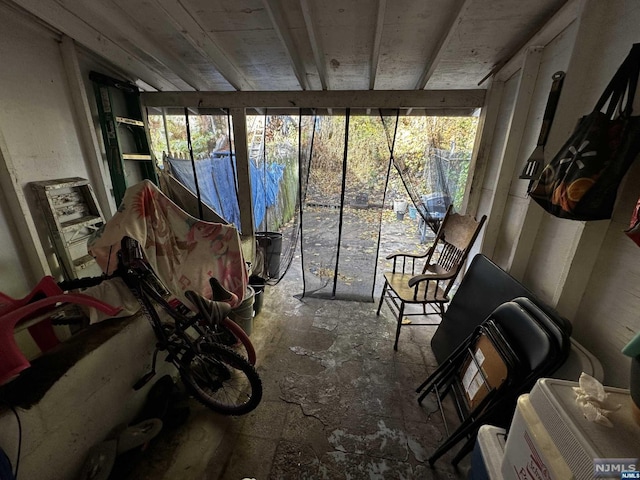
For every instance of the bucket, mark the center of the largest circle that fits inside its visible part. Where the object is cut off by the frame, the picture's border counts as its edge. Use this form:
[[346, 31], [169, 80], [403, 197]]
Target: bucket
[[243, 313], [271, 244], [413, 212], [258, 284], [399, 206]]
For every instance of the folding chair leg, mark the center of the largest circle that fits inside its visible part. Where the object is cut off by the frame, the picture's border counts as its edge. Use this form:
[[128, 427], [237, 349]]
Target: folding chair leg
[[439, 375], [464, 451], [468, 427], [445, 368], [400, 314], [384, 291]]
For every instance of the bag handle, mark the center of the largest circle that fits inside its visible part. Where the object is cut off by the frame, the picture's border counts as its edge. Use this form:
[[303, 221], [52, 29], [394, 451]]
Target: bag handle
[[624, 81]]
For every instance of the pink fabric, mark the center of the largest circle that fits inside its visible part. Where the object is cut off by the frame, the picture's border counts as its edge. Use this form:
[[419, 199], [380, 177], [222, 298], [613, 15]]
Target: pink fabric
[[183, 251]]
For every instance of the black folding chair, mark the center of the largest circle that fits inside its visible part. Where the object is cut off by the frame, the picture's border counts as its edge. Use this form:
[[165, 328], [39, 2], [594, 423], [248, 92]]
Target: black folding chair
[[506, 354]]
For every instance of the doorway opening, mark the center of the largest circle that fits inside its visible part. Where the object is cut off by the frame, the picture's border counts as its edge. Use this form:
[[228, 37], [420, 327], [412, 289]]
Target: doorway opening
[[339, 190]]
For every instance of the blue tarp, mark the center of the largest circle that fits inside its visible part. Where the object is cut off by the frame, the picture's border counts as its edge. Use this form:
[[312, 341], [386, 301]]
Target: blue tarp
[[216, 181]]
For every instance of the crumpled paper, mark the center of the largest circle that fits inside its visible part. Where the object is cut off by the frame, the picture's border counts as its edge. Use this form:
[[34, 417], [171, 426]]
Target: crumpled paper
[[593, 400]]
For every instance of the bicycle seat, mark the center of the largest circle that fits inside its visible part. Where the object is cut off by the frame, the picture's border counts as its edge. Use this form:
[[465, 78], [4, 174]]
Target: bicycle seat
[[213, 311], [221, 294]]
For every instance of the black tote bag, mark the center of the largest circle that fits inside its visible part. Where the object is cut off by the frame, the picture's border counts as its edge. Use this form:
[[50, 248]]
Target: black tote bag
[[581, 181]]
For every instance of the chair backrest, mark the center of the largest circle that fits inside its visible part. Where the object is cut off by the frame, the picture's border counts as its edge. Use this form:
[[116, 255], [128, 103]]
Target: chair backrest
[[560, 338], [452, 244], [535, 348]]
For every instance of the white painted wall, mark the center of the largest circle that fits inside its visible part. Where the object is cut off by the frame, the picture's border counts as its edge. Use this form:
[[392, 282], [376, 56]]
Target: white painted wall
[[607, 316], [555, 57], [586, 269], [40, 139]]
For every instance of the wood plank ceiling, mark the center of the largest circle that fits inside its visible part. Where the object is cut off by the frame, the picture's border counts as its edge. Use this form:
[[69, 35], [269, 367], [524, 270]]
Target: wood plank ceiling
[[266, 45]]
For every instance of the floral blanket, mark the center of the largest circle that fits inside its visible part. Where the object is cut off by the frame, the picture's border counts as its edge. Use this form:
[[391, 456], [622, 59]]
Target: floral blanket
[[183, 251]]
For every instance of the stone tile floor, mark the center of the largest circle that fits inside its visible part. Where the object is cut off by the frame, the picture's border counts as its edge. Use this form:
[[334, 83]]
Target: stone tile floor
[[338, 403]]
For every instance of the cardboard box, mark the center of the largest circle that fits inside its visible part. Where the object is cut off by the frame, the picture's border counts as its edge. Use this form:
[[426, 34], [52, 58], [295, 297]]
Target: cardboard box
[[489, 371]]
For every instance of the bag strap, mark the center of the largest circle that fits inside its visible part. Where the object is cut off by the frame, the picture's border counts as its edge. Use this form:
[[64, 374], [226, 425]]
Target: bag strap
[[622, 85]]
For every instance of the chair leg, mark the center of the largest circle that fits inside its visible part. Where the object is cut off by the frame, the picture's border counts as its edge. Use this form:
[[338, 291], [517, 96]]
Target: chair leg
[[465, 450], [400, 314], [384, 291], [452, 362], [468, 427]]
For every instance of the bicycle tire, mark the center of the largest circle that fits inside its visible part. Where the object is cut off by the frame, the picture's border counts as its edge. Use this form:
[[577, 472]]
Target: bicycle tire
[[237, 331], [221, 379]]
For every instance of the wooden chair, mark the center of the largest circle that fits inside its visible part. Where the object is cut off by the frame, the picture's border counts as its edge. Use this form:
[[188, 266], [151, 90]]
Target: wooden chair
[[429, 285]]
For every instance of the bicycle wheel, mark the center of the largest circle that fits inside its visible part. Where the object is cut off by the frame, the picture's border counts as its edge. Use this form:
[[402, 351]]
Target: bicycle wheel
[[235, 332], [230, 334], [221, 379]]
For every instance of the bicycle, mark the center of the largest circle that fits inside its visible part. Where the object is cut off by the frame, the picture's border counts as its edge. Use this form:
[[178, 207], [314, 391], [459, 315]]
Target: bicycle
[[196, 342]]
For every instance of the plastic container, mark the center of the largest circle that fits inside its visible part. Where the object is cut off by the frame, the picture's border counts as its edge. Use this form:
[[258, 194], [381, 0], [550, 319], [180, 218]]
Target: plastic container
[[399, 206], [530, 451], [413, 212], [579, 360], [271, 244], [258, 284], [564, 426], [487, 455], [243, 313]]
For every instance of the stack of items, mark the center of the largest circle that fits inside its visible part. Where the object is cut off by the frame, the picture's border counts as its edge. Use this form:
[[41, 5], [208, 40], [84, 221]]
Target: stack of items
[[502, 359], [553, 437]]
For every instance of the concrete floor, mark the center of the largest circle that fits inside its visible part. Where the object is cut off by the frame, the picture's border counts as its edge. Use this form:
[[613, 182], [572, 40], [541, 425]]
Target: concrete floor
[[338, 403]]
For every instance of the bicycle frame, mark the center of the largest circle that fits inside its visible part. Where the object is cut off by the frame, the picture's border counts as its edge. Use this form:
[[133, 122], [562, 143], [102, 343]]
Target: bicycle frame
[[172, 337]]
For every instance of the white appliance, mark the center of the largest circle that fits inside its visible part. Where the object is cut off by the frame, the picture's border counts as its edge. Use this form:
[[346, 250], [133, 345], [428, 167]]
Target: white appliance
[[550, 436]]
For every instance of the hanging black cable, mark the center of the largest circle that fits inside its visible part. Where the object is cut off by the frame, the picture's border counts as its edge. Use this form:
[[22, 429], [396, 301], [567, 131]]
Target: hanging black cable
[[193, 163], [392, 145], [301, 193], [264, 171], [344, 184], [313, 136], [303, 182], [232, 156]]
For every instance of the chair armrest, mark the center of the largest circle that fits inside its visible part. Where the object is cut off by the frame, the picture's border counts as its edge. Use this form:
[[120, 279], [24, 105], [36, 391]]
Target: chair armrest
[[431, 276], [405, 254], [409, 255]]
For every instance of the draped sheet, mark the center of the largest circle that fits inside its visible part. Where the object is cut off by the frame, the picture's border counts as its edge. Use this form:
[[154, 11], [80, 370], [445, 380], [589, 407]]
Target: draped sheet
[[183, 251]]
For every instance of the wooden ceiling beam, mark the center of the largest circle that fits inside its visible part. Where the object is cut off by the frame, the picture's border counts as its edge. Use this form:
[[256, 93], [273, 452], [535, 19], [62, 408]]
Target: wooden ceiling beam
[[443, 42], [186, 24], [386, 99], [116, 24], [68, 23], [558, 22], [316, 46], [282, 30], [377, 40]]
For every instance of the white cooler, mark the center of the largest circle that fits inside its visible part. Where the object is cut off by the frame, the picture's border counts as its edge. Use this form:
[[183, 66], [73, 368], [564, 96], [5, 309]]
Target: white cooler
[[487, 455], [550, 438]]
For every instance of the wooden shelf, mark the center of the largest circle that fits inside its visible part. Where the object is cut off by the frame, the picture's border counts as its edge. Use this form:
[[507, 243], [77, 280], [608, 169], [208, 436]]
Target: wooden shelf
[[135, 156], [81, 222], [83, 262], [130, 121]]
